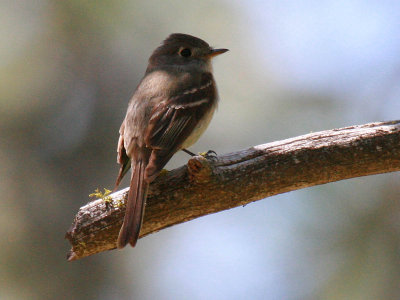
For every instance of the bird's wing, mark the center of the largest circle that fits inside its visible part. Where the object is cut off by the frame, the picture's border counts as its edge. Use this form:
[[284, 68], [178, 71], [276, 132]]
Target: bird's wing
[[174, 119]]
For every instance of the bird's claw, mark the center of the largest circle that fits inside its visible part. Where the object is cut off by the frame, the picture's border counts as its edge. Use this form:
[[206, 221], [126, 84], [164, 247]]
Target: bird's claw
[[210, 155]]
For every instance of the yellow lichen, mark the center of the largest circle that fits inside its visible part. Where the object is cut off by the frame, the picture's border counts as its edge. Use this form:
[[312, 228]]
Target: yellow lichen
[[118, 203], [100, 195], [163, 172]]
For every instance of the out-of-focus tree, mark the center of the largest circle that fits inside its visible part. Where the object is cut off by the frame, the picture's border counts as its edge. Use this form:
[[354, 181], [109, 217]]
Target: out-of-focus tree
[[67, 71]]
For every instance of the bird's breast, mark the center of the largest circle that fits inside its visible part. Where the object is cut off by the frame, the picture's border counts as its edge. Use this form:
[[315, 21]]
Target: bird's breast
[[200, 128]]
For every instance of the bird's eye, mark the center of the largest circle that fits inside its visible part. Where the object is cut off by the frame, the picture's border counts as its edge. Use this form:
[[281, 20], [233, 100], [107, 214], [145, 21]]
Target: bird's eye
[[185, 52]]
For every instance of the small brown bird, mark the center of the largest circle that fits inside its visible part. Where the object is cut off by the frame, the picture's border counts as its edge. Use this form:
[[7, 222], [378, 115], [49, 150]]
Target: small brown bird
[[170, 109]]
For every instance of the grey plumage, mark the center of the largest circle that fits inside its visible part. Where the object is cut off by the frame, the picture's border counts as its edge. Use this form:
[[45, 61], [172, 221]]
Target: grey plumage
[[169, 110]]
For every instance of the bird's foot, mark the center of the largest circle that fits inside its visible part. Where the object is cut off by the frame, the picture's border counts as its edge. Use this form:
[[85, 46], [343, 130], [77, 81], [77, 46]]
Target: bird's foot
[[210, 155]]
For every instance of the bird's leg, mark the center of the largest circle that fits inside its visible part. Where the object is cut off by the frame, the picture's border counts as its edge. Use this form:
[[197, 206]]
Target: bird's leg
[[210, 154], [188, 152]]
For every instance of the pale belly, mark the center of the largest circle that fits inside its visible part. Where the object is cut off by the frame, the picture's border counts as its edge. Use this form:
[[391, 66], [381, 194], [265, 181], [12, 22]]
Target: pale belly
[[199, 130]]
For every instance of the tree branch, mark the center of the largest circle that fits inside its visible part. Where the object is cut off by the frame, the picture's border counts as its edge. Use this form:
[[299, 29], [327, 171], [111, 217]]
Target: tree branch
[[207, 186]]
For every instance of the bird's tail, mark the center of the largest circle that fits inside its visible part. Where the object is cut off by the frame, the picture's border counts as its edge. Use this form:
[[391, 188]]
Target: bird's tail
[[135, 204]]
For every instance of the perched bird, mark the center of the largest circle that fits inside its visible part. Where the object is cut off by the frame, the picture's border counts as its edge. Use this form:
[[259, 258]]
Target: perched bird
[[170, 109]]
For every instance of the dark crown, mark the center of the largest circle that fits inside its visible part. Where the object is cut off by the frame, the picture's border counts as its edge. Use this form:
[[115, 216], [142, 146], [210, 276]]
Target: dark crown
[[187, 39]]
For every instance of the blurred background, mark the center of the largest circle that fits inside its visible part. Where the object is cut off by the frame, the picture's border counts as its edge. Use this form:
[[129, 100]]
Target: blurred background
[[68, 69]]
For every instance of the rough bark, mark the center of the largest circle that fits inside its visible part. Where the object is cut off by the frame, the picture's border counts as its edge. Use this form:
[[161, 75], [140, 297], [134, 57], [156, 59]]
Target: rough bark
[[207, 186]]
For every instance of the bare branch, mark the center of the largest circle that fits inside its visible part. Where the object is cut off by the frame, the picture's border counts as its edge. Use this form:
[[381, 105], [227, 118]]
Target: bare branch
[[207, 186]]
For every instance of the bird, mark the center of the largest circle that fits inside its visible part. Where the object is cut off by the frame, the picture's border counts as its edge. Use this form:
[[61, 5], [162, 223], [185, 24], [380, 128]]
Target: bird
[[170, 109]]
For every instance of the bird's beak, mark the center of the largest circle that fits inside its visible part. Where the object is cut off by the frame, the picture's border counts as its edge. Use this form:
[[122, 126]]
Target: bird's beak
[[215, 52]]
